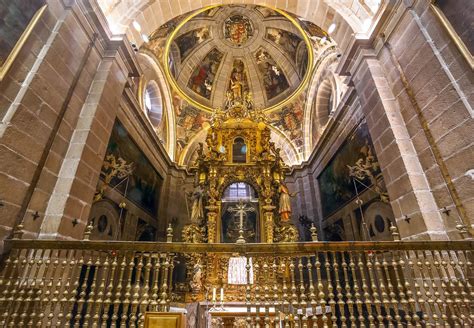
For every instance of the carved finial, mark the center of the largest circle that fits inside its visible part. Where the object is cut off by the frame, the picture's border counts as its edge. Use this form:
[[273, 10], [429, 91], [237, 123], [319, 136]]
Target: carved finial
[[89, 228], [394, 230], [18, 233], [314, 232], [169, 234]]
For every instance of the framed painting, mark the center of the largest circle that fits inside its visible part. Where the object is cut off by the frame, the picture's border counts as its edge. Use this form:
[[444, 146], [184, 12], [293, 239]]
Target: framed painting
[[164, 320], [336, 185], [17, 20], [456, 17]]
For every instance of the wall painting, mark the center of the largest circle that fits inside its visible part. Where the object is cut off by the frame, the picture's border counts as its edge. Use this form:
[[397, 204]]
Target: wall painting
[[189, 40], [143, 185], [273, 78], [202, 79], [17, 19], [335, 183]]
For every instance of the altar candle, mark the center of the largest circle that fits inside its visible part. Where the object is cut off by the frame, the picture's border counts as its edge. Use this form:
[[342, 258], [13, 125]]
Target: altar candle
[[214, 294], [222, 295]]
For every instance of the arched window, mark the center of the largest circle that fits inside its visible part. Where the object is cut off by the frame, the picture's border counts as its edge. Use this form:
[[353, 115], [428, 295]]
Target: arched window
[[239, 190], [153, 103], [239, 151]]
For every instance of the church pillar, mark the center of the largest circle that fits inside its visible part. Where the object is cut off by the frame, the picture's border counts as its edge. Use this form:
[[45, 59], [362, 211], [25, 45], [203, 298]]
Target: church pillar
[[412, 201], [69, 205]]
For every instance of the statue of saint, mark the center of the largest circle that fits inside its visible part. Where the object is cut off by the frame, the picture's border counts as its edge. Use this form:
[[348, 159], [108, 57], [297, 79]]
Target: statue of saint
[[196, 282], [236, 87], [197, 209], [285, 202]]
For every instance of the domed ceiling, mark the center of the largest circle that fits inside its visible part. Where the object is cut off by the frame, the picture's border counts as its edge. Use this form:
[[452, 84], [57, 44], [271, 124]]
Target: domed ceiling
[[220, 54]]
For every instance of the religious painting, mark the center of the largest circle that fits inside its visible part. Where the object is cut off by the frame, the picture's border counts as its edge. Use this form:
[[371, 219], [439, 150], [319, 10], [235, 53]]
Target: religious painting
[[202, 79], [189, 121], [336, 185], [290, 120], [142, 187], [158, 41], [272, 76], [237, 29], [238, 87], [312, 29], [17, 19], [284, 40], [189, 40], [457, 17], [268, 12]]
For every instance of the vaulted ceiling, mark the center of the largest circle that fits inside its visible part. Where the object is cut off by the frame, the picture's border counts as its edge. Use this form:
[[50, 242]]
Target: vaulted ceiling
[[208, 54]]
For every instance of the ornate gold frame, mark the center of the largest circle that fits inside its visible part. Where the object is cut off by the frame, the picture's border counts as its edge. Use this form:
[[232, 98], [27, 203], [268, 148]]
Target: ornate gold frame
[[453, 34], [21, 42], [208, 109]]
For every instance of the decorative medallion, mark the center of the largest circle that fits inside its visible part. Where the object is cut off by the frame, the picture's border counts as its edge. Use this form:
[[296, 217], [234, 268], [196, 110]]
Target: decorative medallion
[[237, 29]]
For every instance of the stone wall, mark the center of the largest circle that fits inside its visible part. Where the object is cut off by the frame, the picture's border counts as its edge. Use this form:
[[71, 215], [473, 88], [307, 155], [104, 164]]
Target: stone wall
[[415, 90]]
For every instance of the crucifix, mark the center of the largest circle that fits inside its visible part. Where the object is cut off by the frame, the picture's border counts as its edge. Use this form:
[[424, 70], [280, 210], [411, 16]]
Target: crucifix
[[241, 210]]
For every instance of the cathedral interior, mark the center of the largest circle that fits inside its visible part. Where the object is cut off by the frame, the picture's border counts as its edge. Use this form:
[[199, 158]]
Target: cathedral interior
[[251, 163]]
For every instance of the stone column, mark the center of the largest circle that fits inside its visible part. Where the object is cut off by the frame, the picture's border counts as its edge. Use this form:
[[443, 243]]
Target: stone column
[[412, 201], [74, 189]]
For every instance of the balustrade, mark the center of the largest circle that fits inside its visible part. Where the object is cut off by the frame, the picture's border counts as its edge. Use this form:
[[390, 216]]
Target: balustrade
[[101, 284]]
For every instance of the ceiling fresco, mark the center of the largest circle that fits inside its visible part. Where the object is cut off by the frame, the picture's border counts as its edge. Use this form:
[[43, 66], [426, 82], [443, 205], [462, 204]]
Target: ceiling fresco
[[229, 51]]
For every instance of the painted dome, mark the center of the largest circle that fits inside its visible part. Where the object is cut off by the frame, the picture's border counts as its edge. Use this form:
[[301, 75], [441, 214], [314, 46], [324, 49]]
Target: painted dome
[[227, 52]]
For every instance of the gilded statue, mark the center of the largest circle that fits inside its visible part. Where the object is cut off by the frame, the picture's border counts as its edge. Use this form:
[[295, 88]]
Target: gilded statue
[[285, 202]]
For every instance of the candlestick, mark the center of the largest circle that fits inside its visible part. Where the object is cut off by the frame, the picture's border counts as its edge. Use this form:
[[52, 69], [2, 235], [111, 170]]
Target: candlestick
[[214, 294], [222, 295]]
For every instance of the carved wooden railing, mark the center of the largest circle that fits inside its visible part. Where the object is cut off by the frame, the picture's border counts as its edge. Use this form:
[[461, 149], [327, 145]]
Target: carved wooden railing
[[46, 283]]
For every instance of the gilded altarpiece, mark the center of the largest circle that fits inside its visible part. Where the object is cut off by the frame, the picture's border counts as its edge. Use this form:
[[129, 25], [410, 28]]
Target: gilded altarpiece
[[215, 169]]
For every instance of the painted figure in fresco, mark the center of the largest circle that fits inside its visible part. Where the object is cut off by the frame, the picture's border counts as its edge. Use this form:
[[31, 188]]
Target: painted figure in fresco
[[285, 202], [197, 209], [274, 80]]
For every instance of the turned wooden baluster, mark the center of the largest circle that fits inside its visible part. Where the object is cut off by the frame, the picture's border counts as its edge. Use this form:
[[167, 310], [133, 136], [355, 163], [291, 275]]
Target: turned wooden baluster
[[119, 287], [413, 297], [332, 302], [156, 279], [340, 300], [99, 301], [302, 303], [368, 299], [374, 284], [312, 296], [136, 290], [357, 288], [460, 294], [398, 267], [73, 290], [112, 283], [321, 294], [164, 283], [91, 299], [145, 298], [425, 292], [347, 288], [128, 287], [28, 267], [10, 290]]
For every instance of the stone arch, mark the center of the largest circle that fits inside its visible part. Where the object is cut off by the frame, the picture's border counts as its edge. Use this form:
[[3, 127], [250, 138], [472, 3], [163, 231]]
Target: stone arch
[[349, 17], [152, 72]]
